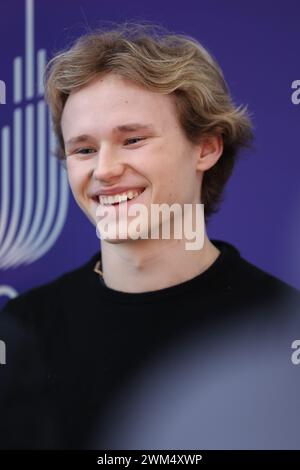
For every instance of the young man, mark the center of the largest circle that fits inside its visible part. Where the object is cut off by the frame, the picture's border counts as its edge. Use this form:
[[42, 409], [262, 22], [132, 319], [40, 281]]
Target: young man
[[147, 117]]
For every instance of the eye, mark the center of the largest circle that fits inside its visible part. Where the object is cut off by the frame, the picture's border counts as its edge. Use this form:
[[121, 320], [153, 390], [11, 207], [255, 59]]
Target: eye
[[133, 140], [84, 150]]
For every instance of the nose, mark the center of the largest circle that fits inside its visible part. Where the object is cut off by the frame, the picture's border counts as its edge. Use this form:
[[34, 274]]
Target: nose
[[107, 165]]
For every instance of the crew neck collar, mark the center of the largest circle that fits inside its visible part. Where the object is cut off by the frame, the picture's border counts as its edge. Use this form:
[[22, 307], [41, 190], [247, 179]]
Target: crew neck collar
[[214, 277]]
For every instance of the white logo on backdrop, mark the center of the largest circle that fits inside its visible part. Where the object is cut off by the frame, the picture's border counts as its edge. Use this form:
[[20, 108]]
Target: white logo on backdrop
[[34, 191], [8, 291]]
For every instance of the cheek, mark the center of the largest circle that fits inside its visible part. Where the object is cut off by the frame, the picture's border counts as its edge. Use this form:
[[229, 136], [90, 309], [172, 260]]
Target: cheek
[[76, 176], [72, 178]]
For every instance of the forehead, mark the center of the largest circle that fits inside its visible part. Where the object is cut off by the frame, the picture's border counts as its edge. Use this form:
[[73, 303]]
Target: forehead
[[110, 101]]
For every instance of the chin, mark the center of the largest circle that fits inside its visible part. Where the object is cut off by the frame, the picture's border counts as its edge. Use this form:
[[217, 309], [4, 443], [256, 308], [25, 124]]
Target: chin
[[116, 241]]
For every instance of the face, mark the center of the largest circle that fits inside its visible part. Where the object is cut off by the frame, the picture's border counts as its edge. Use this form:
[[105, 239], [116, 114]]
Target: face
[[121, 136]]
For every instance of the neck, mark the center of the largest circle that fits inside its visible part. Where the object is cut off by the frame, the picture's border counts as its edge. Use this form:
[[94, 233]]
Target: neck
[[147, 265]]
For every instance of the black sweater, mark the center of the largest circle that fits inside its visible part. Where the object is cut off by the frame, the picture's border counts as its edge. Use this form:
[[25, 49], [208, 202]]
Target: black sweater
[[92, 367]]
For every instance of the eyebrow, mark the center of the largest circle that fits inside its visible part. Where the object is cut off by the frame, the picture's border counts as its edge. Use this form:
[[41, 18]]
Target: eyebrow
[[130, 127]]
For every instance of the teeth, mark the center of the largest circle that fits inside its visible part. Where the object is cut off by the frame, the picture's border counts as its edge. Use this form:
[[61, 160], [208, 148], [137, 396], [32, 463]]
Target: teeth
[[107, 200]]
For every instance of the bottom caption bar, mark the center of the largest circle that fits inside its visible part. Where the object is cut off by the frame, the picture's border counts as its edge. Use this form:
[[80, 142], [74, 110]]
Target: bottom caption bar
[[134, 458]]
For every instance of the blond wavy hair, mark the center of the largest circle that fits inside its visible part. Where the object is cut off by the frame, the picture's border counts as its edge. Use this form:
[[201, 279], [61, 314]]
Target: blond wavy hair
[[165, 63]]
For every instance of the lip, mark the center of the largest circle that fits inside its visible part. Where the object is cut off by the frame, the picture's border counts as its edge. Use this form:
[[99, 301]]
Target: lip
[[116, 190]]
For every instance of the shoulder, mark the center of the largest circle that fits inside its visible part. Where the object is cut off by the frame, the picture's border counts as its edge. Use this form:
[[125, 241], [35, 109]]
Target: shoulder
[[52, 297], [250, 283]]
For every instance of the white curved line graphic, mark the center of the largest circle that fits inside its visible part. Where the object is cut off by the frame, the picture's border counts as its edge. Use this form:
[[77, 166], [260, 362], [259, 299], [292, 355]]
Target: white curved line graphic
[[17, 80], [41, 60], [40, 195], [45, 242], [5, 180], [50, 211], [53, 200], [17, 248], [8, 291], [29, 46], [33, 212], [17, 185], [60, 220]]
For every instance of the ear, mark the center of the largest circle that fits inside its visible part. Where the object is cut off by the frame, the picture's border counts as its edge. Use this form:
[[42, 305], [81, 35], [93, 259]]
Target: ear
[[210, 150]]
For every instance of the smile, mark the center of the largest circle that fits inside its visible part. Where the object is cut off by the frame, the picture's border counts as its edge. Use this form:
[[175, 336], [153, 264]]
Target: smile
[[119, 198]]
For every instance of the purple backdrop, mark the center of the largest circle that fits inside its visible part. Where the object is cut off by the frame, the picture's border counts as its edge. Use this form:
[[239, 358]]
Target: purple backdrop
[[256, 44]]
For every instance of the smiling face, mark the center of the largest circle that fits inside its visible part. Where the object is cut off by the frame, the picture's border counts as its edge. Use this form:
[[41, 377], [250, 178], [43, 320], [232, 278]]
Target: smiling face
[[121, 136]]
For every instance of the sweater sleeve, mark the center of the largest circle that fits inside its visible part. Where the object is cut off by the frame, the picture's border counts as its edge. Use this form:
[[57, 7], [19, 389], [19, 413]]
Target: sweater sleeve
[[27, 418]]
